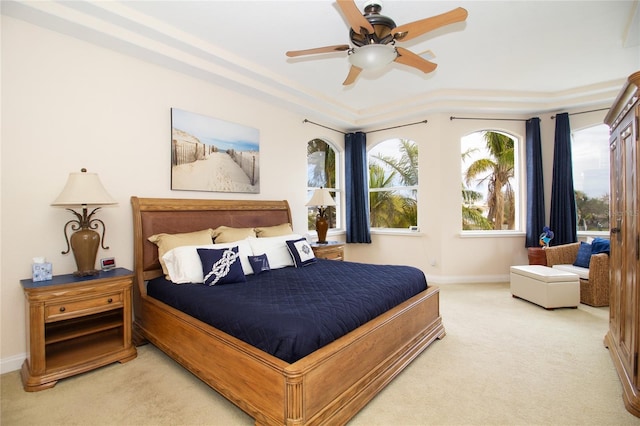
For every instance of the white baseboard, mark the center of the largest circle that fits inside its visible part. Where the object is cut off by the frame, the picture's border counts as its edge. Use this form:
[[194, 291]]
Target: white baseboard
[[12, 363], [467, 279]]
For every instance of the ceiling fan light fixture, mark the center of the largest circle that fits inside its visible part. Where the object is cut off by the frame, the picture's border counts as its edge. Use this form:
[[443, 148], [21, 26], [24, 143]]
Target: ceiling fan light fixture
[[373, 56]]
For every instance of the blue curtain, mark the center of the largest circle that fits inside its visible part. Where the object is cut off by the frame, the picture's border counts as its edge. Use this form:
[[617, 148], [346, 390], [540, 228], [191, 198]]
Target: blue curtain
[[563, 220], [535, 183], [357, 188]]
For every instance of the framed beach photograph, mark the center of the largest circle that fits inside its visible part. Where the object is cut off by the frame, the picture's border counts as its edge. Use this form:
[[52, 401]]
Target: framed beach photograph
[[208, 154]]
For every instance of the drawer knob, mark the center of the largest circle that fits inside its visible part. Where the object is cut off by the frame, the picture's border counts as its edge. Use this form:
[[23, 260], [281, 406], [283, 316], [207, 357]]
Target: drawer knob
[[109, 300], [62, 309]]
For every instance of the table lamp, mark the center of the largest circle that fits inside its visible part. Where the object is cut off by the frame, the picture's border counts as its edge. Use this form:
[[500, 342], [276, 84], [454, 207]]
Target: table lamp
[[321, 198], [81, 190]]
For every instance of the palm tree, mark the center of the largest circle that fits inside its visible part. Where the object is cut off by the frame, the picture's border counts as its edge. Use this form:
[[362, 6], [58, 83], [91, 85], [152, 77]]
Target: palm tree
[[381, 202], [390, 209], [322, 177], [407, 165], [472, 218], [496, 171]]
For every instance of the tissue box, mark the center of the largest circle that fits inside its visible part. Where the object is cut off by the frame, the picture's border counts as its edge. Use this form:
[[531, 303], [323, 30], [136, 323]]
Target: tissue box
[[42, 271]]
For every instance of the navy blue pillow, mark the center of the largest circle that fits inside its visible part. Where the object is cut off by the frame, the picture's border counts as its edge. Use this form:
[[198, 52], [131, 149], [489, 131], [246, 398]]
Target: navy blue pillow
[[584, 255], [600, 245], [259, 263], [301, 252], [221, 266]]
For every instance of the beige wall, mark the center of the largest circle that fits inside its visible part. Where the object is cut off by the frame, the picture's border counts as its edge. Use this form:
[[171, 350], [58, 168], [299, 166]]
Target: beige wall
[[67, 104], [440, 249]]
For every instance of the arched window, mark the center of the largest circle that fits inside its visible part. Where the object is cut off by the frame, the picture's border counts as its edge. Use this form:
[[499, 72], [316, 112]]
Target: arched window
[[590, 155], [490, 181], [393, 184], [322, 172]]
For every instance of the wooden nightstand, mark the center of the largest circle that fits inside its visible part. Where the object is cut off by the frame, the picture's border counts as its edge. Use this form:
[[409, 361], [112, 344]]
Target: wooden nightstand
[[332, 250], [76, 324]]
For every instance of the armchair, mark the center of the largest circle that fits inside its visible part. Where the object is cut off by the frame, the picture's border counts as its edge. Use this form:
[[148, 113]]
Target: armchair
[[594, 281]]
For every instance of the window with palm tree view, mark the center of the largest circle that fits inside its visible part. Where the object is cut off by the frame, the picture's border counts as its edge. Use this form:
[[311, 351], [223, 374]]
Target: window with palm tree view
[[321, 173], [489, 181], [590, 155], [393, 184]]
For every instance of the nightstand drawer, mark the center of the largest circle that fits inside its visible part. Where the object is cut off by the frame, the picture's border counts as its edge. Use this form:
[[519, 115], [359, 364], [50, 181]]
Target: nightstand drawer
[[58, 311], [336, 253], [333, 250]]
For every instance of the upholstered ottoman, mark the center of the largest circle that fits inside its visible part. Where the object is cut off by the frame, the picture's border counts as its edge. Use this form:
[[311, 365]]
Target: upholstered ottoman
[[548, 287]]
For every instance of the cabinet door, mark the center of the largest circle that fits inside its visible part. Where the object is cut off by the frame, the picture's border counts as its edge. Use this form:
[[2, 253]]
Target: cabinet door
[[624, 241], [632, 245], [616, 207]]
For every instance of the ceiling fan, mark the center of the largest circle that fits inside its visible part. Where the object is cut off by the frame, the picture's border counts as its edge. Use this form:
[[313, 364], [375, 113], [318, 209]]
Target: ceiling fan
[[374, 37]]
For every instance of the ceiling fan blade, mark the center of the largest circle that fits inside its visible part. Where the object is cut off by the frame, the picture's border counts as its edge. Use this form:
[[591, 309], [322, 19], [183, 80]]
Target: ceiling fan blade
[[417, 28], [407, 57], [356, 19], [326, 49], [354, 72]]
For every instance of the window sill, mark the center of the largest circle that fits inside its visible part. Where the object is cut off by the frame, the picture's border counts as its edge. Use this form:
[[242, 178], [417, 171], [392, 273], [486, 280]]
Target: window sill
[[593, 234], [378, 231], [397, 232], [492, 234], [330, 233]]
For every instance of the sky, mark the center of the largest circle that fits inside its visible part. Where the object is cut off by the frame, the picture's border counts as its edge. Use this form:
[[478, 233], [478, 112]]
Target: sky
[[212, 131], [590, 151]]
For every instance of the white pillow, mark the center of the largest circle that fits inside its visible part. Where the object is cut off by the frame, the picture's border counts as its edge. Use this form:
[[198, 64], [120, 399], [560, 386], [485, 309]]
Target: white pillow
[[184, 265], [275, 248]]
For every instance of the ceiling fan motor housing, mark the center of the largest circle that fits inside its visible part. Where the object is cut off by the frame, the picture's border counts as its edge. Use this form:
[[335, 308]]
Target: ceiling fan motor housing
[[381, 24]]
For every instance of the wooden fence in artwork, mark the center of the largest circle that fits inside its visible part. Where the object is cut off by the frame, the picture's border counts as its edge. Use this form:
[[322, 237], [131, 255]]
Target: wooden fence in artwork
[[183, 152], [248, 162]]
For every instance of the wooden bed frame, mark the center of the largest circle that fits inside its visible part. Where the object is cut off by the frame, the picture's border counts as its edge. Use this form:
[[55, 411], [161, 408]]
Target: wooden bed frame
[[328, 386]]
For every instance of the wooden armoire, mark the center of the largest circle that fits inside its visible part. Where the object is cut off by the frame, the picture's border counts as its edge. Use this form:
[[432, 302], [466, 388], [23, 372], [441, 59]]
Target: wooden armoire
[[623, 337]]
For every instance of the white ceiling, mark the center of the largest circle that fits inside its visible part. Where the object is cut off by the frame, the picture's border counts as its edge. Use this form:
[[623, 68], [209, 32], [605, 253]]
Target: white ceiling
[[522, 57]]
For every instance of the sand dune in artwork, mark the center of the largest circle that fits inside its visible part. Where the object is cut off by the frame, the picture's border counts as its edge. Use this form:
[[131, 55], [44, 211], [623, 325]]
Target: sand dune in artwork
[[216, 173]]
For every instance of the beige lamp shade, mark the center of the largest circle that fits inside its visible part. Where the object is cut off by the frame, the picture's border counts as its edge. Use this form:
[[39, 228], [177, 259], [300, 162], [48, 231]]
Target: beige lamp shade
[[83, 189], [321, 197]]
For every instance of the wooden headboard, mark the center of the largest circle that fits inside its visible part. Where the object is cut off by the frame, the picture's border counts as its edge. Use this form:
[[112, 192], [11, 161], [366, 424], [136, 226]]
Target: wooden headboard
[[168, 215]]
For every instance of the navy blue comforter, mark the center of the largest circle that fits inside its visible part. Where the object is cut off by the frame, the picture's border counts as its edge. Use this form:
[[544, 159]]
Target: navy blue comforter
[[291, 312]]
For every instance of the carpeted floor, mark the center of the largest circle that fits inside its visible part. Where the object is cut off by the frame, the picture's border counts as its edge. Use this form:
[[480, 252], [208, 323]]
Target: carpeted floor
[[504, 361]]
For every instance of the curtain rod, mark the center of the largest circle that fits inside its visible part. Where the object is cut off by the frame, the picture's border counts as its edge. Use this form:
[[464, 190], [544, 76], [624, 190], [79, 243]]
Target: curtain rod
[[489, 119], [520, 119], [584, 112], [371, 131], [326, 127]]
